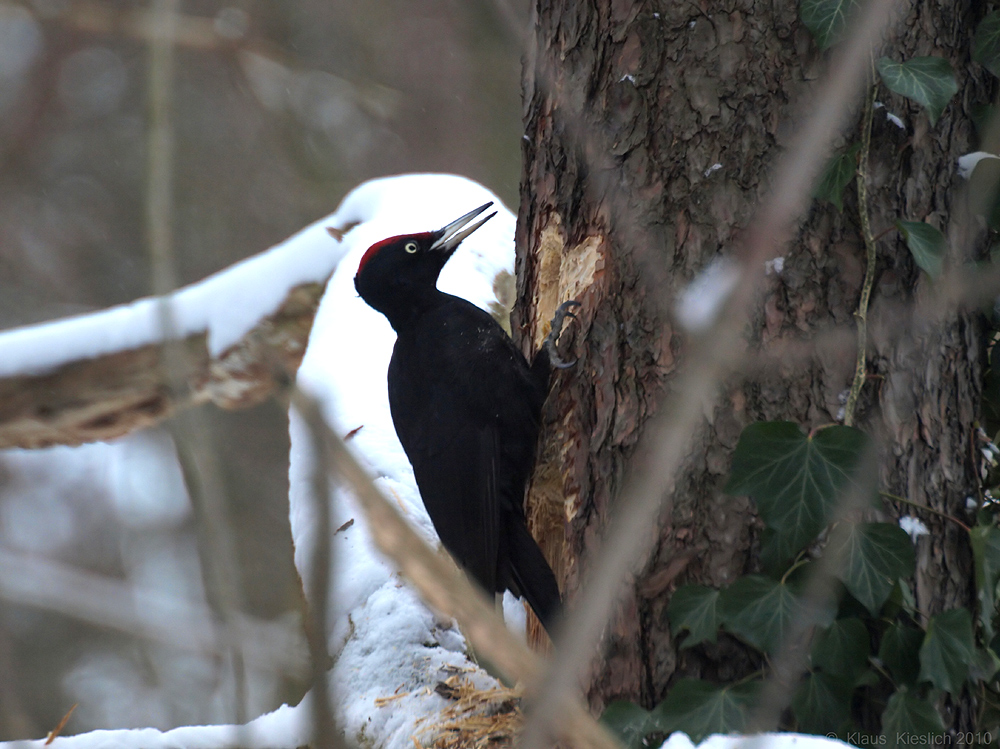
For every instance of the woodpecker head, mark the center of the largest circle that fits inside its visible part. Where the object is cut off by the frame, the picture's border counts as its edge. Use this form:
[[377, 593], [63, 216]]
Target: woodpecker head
[[396, 273]]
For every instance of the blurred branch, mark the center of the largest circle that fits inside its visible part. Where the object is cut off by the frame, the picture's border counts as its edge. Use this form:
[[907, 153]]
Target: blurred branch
[[325, 733], [160, 152], [41, 583], [195, 451], [216, 542], [97, 399], [195, 32], [444, 587]]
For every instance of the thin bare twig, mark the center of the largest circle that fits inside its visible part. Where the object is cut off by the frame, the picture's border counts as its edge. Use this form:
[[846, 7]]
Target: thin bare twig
[[925, 508]]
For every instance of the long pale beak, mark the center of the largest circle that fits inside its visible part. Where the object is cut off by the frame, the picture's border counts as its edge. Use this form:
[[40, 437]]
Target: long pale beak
[[452, 235]]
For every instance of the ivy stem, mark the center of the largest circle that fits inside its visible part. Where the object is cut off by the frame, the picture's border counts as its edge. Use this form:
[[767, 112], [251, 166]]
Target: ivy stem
[[882, 233], [816, 430], [749, 677], [925, 508], [873, 662], [801, 561], [866, 232]]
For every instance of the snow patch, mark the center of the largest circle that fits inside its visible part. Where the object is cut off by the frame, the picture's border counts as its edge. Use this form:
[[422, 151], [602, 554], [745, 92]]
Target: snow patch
[[700, 302], [913, 527], [774, 266], [967, 163], [291, 727], [895, 120], [285, 728], [760, 741], [227, 305]]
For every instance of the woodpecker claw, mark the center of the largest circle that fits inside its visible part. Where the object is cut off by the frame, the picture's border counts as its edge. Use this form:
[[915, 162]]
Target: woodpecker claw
[[553, 337]]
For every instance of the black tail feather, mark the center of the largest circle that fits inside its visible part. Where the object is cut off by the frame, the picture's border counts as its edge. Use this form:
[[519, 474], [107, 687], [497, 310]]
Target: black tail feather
[[532, 574]]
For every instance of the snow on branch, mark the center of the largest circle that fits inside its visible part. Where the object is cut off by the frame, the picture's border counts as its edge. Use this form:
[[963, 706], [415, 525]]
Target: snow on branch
[[101, 375]]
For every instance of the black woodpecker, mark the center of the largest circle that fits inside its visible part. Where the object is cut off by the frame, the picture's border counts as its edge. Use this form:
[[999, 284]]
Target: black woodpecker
[[466, 407]]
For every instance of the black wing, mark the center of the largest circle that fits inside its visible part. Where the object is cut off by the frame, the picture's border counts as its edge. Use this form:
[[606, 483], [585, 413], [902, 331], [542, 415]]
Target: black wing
[[466, 407], [455, 468]]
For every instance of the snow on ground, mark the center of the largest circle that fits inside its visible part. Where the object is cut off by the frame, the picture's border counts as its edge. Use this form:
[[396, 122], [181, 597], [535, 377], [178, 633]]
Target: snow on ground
[[286, 726], [761, 741], [227, 305]]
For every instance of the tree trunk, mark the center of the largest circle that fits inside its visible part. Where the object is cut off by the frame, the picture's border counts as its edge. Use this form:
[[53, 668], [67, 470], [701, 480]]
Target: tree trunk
[[650, 132]]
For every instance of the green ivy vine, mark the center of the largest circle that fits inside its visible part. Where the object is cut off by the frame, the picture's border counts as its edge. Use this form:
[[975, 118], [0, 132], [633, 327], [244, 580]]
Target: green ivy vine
[[870, 652]]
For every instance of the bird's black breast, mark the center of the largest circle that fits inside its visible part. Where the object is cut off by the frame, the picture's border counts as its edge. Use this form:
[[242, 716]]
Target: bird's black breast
[[466, 409], [456, 369]]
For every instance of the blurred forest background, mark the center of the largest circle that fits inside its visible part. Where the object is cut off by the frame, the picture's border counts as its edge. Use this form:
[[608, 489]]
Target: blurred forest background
[[279, 107]]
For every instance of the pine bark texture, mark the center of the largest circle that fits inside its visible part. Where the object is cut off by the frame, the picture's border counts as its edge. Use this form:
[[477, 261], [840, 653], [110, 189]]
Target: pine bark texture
[[650, 129]]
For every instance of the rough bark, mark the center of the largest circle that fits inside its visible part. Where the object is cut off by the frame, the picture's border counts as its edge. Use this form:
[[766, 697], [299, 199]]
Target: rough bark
[[650, 128]]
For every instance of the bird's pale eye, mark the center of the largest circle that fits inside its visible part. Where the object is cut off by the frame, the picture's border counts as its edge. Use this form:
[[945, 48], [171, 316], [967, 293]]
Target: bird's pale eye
[[410, 247]]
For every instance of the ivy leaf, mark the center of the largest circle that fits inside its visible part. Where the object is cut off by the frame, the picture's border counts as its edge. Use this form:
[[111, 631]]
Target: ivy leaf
[[794, 479], [986, 560], [827, 19], [901, 600], [629, 722], [700, 709], [989, 716], [694, 608], [842, 649], [984, 666], [947, 650], [869, 678], [837, 175], [908, 715], [927, 245], [929, 81], [822, 703], [900, 652], [872, 556], [986, 43], [760, 610]]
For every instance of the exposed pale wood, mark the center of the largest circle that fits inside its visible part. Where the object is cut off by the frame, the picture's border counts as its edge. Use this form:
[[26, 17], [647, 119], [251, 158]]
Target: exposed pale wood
[[108, 396]]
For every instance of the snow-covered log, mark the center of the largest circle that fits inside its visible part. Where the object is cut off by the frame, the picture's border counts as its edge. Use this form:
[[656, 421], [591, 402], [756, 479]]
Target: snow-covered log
[[101, 375]]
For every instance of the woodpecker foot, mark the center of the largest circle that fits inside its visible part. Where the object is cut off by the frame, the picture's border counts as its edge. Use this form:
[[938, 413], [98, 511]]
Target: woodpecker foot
[[553, 337]]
